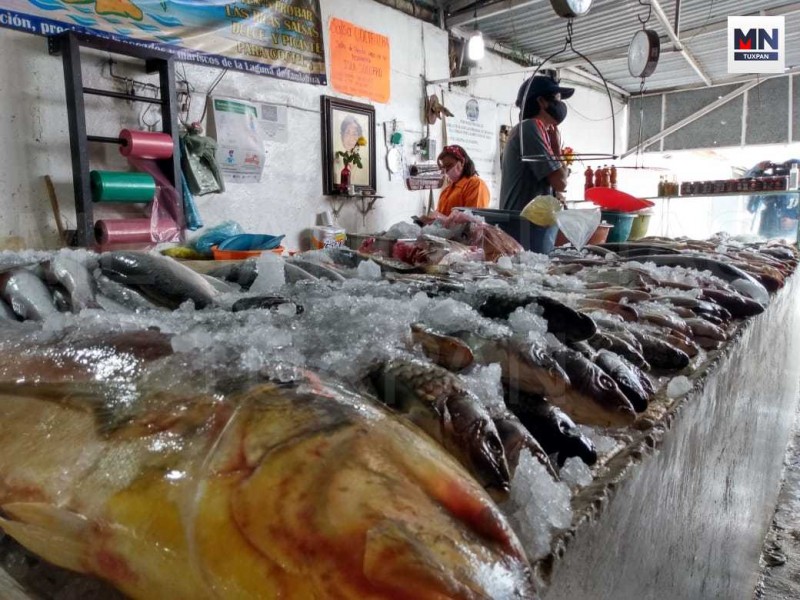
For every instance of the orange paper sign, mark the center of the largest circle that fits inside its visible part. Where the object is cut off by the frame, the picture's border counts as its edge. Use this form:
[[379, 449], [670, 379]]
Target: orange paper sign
[[359, 61]]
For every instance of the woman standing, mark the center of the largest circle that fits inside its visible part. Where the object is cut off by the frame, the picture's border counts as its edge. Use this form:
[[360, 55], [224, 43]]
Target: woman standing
[[465, 188]]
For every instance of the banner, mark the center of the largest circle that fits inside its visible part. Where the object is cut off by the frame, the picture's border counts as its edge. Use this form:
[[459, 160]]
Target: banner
[[359, 61], [474, 128], [267, 37]]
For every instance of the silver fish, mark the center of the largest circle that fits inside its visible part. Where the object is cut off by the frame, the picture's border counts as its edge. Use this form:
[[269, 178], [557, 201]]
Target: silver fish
[[121, 295], [163, 280], [27, 295], [73, 277]]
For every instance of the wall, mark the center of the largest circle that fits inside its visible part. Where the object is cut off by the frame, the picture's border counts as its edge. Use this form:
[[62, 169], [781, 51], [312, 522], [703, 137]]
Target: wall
[[288, 198]]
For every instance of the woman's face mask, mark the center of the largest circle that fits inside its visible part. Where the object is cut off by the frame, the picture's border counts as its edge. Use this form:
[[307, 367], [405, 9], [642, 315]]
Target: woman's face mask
[[454, 173], [558, 110]]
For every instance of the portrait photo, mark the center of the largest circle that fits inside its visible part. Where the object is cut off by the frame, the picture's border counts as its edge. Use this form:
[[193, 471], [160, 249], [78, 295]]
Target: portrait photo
[[344, 124]]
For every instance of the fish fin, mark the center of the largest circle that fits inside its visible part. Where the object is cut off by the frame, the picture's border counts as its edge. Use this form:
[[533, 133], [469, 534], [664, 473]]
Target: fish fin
[[58, 535]]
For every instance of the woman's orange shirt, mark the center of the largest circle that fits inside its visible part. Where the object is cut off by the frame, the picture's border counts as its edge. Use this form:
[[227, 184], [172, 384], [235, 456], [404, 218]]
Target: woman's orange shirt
[[467, 191]]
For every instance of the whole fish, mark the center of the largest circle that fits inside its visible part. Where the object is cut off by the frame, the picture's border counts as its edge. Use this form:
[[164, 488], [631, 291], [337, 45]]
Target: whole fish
[[125, 296], [525, 367], [27, 295], [701, 308], [626, 379], [737, 305], [564, 322], [516, 438], [609, 341], [264, 302], [627, 312], [435, 400], [445, 350], [163, 280], [592, 398], [299, 490], [705, 329], [241, 273], [316, 269], [660, 354], [73, 277], [555, 431]]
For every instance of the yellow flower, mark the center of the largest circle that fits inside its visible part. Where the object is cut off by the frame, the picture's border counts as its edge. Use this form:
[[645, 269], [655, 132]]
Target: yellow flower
[[361, 141]]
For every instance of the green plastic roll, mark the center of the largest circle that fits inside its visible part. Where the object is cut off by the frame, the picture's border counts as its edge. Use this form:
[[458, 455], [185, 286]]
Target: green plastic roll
[[116, 186]]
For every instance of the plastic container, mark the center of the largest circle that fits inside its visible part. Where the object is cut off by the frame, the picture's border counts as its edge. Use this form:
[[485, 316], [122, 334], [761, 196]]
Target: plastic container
[[622, 223], [600, 236], [241, 254], [640, 224], [532, 237]]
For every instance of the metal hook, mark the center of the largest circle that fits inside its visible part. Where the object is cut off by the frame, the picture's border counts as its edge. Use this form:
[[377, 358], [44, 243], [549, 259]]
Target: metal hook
[[649, 12]]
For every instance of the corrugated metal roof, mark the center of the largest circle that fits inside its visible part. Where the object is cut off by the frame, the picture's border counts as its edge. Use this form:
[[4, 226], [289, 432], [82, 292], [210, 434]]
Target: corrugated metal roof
[[605, 32]]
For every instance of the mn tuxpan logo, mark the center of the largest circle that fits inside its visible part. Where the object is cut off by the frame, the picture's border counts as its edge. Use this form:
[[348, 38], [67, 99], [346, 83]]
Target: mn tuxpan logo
[[756, 45]]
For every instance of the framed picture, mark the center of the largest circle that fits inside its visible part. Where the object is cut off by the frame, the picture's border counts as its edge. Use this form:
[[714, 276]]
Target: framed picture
[[343, 123]]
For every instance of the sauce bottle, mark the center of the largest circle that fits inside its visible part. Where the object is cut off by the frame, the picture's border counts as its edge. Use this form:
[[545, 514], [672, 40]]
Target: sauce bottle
[[612, 176], [598, 177], [589, 178]]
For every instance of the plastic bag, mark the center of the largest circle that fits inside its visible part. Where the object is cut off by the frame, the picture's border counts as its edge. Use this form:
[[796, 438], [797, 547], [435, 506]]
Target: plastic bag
[[542, 211], [215, 235], [199, 164], [494, 241], [251, 241], [578, 225]]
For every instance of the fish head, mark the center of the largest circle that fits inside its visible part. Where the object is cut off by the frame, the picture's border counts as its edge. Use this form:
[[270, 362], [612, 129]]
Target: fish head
[[480, 443], [536, 371], [125, 267]]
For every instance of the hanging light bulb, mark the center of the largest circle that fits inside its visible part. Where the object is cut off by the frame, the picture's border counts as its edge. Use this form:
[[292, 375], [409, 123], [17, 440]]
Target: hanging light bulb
[[475, 47]]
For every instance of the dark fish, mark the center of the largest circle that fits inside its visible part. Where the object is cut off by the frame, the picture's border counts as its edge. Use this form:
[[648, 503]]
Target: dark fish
[[699, 307], [592, 398], [516, 438], [737, 305], [265, 302], [294, 274], [243, 273], [435, 400], [703, 328], [617, 345], [564, 322], [625, 378], [124, 296], [61, 298], [74, 278], [6, 314], [446, 351], [163, 280], [27, 295], [525, 367], [660, 354], [555, 431], [617, 294], [682, 343], [628, 313], [316, 269], [661, 319]]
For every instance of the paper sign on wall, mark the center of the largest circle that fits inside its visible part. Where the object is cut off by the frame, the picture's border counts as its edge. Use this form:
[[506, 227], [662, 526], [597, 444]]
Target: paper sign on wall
[[359, 61], [274, 120], [240, 141], [474, 128]]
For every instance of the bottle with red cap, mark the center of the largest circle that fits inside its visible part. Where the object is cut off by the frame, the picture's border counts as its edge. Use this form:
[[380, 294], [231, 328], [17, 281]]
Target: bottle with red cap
[[612, 177], [589, 178]]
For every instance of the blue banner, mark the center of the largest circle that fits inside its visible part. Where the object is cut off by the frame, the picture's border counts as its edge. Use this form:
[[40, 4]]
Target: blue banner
[[267, 37]]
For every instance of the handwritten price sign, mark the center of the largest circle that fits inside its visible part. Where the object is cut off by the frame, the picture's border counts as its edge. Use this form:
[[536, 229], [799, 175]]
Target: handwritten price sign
[[359, 61]]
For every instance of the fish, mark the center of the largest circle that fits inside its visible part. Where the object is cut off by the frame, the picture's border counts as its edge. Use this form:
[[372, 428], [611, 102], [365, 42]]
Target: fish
[[6, 314], [592, 398], [556, 432], [445, 350], [242, 273], [122, 295], [627, 312], [664, 319], [737, 305], [525, 367], [27, 295], [316, 269], [660, 354], [161, 279], [609, 341], [440, 405], [626, 379], [304, 489], [75, 278], [516, 438], [564, 322], [703, 328], [701, 308], [617, 294]]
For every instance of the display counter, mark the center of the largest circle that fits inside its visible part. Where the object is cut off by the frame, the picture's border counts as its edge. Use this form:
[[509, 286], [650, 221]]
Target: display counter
[[682, 510]]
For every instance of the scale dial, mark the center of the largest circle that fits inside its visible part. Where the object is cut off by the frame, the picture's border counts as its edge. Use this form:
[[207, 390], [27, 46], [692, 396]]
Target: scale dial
[[571, 8], [643, 53]]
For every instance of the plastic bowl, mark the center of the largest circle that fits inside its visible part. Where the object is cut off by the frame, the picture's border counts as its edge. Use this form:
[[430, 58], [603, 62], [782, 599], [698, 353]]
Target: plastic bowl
[[640, 224], [241, 254], [600, 236], [622, 223]]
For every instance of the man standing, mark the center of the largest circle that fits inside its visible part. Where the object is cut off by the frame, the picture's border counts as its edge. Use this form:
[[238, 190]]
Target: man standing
[[543, 112]]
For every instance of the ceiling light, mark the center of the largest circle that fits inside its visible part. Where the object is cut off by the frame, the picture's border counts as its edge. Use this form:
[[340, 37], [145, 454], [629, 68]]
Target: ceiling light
[[475, 47]]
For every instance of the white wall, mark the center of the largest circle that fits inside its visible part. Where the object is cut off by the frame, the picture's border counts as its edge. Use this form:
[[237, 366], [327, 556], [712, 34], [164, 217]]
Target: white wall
[[34, 128]]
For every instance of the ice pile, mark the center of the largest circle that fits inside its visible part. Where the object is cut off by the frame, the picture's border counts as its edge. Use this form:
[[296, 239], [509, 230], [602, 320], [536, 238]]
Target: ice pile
[[485, 383], [271, 274], [527, 324], [575, 473], [403, 231], [369, 270], [538, 506]]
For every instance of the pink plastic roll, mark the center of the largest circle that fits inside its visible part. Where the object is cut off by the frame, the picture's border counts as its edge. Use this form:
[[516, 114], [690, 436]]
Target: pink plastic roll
[[144, 144], [123, 231]]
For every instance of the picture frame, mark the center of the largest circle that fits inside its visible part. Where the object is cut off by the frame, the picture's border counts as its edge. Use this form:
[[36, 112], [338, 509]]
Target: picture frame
[[343, 121]]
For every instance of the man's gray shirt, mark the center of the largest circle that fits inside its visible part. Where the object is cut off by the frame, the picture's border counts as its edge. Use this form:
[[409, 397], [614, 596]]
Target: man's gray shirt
[[523, 181]]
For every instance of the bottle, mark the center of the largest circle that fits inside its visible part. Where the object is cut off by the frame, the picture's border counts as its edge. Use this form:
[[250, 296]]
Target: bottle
[[613, 177], [589, 178], [605, 177], [344, 179], [598, 177], [794, 177], [661, 186]]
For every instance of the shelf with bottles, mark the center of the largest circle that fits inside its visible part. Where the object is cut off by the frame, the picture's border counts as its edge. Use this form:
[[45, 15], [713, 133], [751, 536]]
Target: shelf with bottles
[[724, 194]]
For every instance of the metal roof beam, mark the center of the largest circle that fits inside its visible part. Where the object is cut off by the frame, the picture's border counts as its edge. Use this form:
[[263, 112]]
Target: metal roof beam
[[693, 117], [486, 12], [661, 15]]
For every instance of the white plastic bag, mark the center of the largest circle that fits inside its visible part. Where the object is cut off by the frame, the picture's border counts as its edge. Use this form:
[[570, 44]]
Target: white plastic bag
[[578, 225]]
